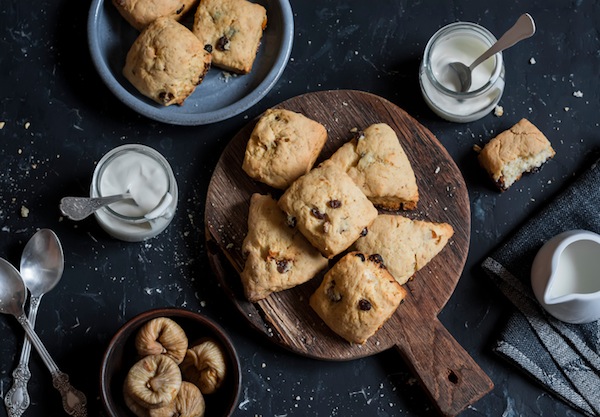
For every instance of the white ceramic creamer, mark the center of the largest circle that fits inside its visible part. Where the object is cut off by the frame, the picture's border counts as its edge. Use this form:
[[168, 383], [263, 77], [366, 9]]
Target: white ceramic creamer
[[565, 276]]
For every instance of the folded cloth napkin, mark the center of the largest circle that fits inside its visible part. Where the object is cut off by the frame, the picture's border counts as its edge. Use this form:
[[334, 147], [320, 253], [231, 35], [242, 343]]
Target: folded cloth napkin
[[562, 357]]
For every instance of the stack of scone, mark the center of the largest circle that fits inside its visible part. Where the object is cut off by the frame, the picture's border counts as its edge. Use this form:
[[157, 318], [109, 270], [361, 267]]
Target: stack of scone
[[168, 60], [328, 214]]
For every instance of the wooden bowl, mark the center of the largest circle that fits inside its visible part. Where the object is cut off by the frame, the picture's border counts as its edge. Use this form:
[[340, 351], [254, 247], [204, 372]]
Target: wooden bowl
[[121, 354]]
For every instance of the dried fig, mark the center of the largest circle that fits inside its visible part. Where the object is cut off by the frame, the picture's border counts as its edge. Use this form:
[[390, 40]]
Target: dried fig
[[134, 407], [189, 401], [153, 381], [162, 336], [204, 365]]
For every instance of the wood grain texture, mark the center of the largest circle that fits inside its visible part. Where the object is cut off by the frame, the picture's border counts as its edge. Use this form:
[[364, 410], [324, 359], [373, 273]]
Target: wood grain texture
[[447, 372]]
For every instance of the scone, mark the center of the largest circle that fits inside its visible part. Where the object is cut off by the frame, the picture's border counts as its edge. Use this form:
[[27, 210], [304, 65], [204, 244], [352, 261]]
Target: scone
[[405, 245], [231, 30], [328, 208], [377, 163], [283, 146], [166, 62], [522, 148], [278, 256], [357, 296], [140, 13]]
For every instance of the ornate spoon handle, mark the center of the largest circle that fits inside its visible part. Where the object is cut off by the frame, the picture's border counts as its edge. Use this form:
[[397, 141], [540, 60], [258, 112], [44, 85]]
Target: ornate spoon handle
[[74, 401], [17, 398]]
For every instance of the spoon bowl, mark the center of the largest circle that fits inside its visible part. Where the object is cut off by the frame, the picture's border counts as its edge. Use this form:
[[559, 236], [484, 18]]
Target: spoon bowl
[[522, 29], [42, 262], [12, 289]]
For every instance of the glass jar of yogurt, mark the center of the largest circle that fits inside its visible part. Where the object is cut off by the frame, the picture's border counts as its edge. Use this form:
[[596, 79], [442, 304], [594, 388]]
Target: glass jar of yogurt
[[146, 175], [463, 42]]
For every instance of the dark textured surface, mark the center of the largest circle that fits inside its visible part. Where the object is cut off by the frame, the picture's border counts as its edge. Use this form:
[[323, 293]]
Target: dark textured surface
[[59, 119]]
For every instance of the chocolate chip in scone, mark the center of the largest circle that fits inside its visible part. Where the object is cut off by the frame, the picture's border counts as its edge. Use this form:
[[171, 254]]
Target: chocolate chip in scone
[[223, 43], [291, 221], [283, 265], [165, 96], [332, 294], [361, 256], [208, 48], [364, 232], [180, 9], [377, 259], [334, 204], [359, 135], [364, 305], [316, 213]]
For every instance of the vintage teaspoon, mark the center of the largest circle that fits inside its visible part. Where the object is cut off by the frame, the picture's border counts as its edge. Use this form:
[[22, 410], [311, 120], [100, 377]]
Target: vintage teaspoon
[[12, 301], [522, 29], [42, 265]]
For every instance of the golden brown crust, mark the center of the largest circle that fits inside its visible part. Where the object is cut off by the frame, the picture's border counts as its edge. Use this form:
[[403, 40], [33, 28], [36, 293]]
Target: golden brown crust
[[405, 245], [231, 30], [140, 13], [377, 163], [283, 146], [166, 62], [278, 256], [329, 209], [520, 149], [357, 296]]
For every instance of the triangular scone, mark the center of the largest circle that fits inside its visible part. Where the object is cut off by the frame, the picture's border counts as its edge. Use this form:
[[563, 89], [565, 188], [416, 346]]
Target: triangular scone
[[377, 163], [405, 245], [278, 256]]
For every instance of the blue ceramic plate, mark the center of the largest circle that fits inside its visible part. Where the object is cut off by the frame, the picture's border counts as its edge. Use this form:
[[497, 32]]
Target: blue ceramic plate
[[220, 96]]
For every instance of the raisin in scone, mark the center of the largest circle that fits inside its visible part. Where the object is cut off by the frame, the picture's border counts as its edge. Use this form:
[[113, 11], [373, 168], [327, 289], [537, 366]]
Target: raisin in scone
[[405, 245], [231, 30], [140, 13], [357, 296], [377, 163], [328, 208], [166, 62], [520, 149], [278, 256], [283, 146]]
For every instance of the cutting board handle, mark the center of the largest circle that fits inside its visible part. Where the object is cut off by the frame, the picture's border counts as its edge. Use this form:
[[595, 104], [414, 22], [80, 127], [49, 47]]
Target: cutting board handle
[[450, 376]]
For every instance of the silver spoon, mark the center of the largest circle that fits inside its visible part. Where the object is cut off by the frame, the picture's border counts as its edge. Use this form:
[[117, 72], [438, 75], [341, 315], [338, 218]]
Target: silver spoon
[[522, 29], [78, 208], [42, 265], [12, 301]]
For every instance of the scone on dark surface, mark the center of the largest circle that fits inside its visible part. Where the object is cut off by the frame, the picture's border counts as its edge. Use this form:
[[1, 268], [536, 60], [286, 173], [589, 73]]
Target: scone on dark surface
[[140, 13], [405, 245], [166, 62], [283, 146], [278, 256], [231, 30], [328, 208], [377, 163], [520, 149], [357, 296]]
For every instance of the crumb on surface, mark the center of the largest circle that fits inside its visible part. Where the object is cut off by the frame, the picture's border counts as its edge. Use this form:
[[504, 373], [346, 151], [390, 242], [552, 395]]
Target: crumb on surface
[[24, 211], [498, 111], [532, 61], [578, 94], [2, 124], [27, 124]]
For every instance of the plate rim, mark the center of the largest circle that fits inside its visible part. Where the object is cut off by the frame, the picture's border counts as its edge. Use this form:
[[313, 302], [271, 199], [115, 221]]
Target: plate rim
[[191, 119]]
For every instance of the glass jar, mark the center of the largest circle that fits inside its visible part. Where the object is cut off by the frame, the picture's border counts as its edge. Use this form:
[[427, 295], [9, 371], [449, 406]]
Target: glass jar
[[147, 176], [463, 42]]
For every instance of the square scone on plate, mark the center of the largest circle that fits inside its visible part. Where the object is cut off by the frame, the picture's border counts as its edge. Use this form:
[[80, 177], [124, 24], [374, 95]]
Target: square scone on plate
[[231, 31], [328, 208], [357, 296], [278, 257], [377, 163], [283, 146], [166, 62]]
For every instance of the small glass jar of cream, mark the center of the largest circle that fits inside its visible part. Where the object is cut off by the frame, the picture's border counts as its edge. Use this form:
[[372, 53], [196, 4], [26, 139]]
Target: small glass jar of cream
[[463, 42], [146, 175]]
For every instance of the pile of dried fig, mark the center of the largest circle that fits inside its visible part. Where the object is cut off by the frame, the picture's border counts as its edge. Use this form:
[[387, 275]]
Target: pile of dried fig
[[170, 379]]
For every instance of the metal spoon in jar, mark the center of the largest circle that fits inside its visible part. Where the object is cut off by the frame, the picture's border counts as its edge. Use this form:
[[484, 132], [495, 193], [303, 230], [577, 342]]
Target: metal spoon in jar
[[12, 300], [42, 265], [522, 29], [78, 208]]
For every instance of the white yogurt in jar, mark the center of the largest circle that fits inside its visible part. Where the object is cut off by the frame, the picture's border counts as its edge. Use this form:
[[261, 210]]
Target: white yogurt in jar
[[461, 42], [145, 174]]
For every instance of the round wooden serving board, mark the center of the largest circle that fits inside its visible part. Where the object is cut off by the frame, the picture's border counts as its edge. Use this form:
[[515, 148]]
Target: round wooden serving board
[[447, 372]]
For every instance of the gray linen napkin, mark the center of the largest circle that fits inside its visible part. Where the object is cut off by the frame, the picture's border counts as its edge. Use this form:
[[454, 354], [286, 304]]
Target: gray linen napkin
[[562, 357]]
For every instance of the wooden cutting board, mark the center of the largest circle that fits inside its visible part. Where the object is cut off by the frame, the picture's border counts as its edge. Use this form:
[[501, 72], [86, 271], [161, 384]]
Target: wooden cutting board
[[447, 372]]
